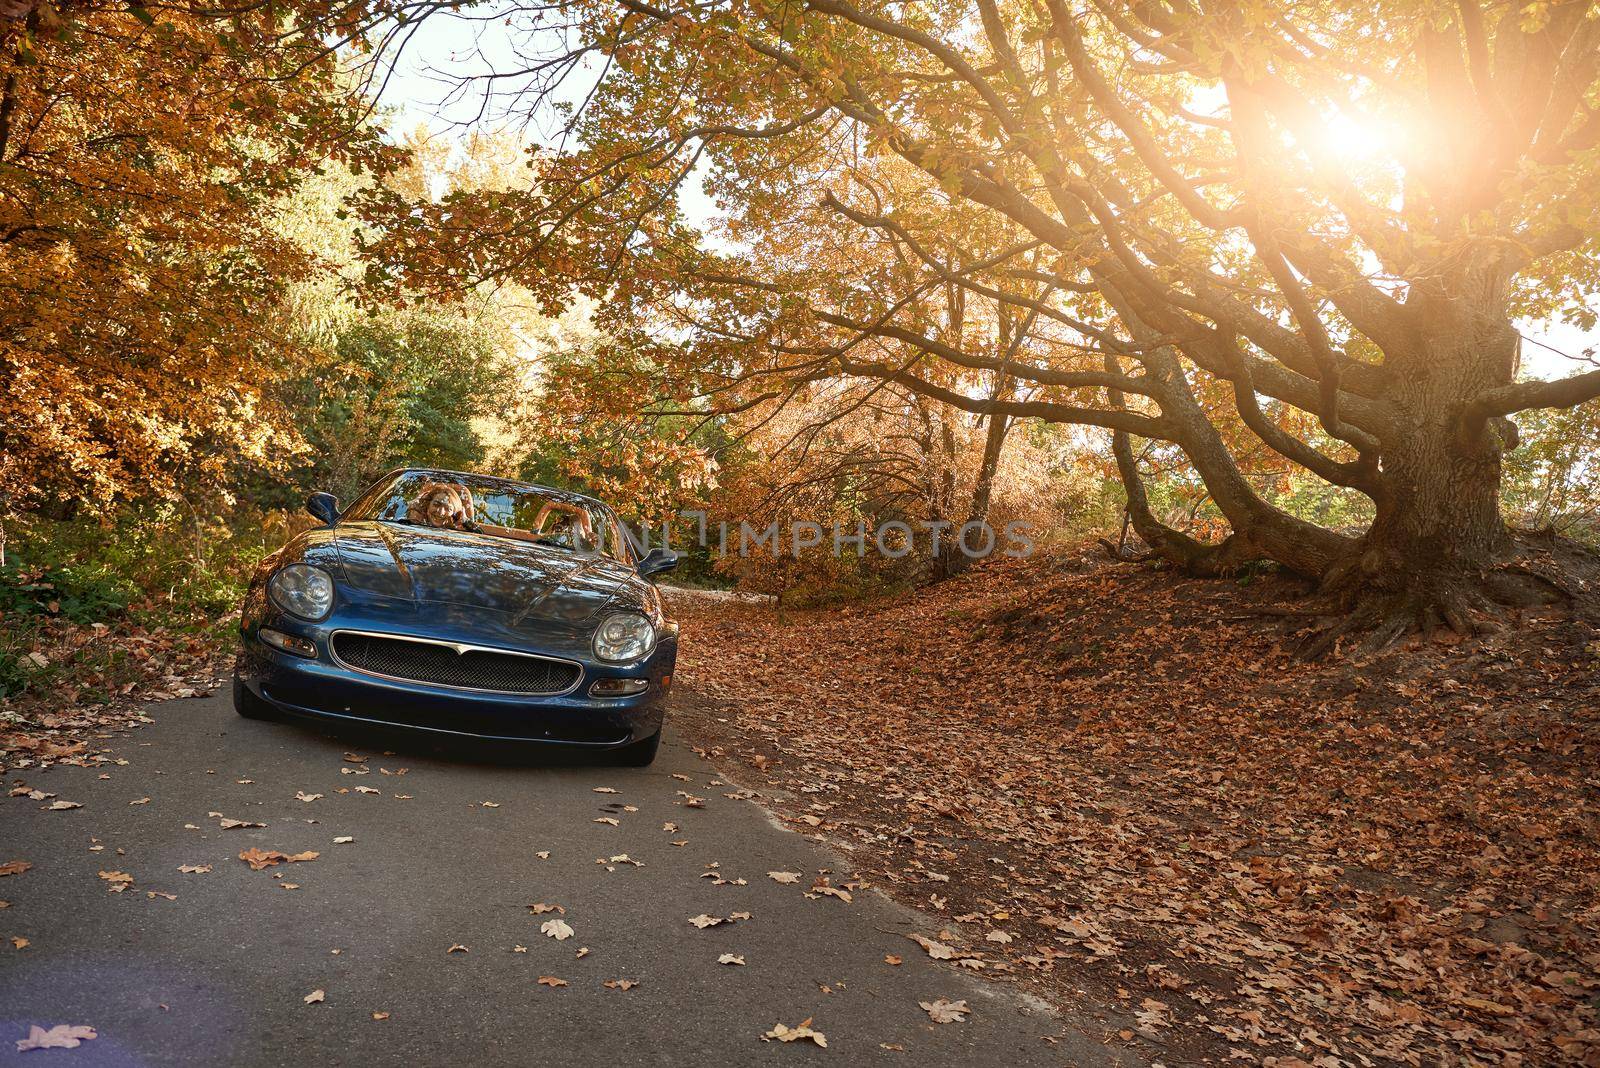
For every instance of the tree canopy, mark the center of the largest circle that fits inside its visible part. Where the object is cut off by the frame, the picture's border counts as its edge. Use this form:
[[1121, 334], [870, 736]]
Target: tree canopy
[[1262, 232]]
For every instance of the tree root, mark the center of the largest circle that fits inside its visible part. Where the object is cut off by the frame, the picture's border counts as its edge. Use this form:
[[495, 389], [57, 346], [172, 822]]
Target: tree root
[[1469, 608]]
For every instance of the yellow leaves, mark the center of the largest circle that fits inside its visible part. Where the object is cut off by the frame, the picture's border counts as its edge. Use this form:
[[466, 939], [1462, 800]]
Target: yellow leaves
[[61, 1036], [119, 880], [799, 1033], [942, 1011], [143, 284], [936, 950], [261, 859]]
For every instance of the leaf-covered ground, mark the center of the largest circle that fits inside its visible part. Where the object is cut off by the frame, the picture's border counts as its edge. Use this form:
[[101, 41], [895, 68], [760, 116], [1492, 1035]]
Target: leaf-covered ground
[[98, 678], [1127, 773]]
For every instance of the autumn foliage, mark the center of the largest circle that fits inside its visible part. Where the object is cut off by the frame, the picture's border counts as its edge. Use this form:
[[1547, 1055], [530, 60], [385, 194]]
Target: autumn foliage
[[143, 160], [1265, 238]]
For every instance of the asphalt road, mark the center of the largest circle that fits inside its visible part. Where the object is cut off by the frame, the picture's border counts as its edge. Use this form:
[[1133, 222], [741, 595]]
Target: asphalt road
[[218, 975]]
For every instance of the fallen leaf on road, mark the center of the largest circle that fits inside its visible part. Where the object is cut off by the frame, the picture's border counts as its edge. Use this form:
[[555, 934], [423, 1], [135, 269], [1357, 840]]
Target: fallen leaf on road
[[59, 806], [557, 929], [259, 859], [550, 980], [936, 950], [730, 958], [343, 839], [367, 790], [488, 804], [543, 854], [352, 758], [314, 997], [140, 801], [890, 958], [19, 942], [607, 819], [942, 1011], [301, 795], [119, 880], [795, 1034], [228, 824], [61, 1036], [703, 921], [821, 887], [14, 867], [621, 984], [604, 790], [309, 854], [670, 828], [457, 948], [784, 876], [543, 907], [734, 917], [380, 1016], [519, 949], [998, 936], [583, 951], [288, 886]]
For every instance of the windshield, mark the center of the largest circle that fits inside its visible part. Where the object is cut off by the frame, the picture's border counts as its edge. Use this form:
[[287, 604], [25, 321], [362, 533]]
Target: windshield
[[495, 507]]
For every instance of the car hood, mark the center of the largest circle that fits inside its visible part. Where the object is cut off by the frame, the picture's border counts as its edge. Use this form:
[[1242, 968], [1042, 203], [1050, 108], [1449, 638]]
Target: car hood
[[525, 581]]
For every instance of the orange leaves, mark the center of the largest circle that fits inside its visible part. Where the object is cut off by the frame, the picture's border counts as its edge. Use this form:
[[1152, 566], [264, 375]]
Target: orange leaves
[[125, 344], [261, 859], [1088, 768]]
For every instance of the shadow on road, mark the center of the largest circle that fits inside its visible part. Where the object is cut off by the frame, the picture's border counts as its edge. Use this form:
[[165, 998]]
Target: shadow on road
[[399, 741]]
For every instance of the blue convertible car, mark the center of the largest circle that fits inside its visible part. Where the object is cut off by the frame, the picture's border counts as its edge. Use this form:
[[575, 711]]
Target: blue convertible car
[[463, 605]]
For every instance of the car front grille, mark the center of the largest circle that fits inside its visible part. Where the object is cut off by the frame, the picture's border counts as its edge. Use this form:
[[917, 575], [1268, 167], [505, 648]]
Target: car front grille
[[441, 664]]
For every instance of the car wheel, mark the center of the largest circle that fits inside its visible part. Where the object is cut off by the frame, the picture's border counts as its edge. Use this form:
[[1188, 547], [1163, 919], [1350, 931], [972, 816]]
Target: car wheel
[[640, 754], [248, 704]]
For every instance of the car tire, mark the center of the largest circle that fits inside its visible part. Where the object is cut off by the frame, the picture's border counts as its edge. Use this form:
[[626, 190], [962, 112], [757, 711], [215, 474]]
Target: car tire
[[248, 704], [640, 754]]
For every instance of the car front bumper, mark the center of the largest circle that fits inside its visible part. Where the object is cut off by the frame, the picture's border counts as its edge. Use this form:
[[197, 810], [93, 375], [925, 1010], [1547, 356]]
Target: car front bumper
[[325, 689]]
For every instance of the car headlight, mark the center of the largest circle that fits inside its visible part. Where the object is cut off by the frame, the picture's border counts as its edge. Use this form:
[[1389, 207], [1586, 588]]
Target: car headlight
[[623, 636], [302, 590]]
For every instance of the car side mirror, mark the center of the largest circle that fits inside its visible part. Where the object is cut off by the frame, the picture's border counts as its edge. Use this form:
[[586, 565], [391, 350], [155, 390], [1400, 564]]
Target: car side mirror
[[658, 560], [324, 506]]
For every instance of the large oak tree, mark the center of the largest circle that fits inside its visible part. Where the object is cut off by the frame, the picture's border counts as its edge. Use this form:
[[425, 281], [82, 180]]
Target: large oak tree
[[1304, 228]]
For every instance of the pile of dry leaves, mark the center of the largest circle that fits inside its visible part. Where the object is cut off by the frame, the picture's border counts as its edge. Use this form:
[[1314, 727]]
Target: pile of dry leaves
[[1120, 788], [63, 722]]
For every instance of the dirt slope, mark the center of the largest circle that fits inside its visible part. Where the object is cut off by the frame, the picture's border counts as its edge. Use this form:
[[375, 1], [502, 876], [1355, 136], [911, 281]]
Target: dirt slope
[[1128, 776]]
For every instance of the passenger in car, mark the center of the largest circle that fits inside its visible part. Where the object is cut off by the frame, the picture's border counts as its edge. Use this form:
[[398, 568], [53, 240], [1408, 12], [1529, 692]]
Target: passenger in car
[[442, 504], [566, 523]]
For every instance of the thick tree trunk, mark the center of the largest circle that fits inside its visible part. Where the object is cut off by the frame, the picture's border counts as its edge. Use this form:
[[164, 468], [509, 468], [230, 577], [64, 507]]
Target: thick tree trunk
[[1437, 521], [1433, 552]]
